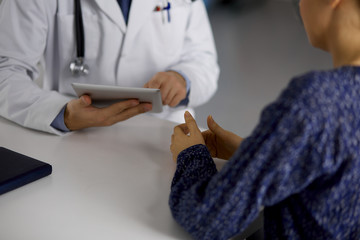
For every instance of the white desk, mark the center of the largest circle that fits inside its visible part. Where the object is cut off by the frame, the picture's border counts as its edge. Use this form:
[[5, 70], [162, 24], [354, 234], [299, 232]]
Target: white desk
[[107, 183]]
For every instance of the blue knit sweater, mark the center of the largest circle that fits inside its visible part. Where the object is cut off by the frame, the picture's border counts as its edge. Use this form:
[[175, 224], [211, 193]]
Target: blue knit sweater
[[302, 163]]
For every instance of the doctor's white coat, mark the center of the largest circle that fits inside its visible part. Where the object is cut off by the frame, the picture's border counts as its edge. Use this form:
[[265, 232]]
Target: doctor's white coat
[[117, 54]]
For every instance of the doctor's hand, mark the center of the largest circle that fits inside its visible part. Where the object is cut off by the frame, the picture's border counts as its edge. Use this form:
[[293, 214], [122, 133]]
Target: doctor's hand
[[221, 143], [185, 136], [79, 113], [172, 87]]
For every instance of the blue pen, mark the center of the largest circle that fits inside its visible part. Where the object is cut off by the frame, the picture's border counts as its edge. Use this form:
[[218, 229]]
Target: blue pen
[[167, 8]]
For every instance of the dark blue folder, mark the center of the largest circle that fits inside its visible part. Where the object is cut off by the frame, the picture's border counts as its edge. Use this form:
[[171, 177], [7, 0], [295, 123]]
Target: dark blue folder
[[17, 170]]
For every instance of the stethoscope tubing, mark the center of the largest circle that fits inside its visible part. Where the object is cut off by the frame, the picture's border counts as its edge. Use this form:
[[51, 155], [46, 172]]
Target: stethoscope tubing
[[79, 29]]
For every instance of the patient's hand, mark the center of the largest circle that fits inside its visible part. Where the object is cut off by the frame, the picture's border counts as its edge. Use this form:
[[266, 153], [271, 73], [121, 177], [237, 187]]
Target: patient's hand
[[221, 143], [185, 135]]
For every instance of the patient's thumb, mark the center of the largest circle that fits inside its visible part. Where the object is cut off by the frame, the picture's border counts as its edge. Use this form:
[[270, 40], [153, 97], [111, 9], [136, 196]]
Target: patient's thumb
[[213, 126]]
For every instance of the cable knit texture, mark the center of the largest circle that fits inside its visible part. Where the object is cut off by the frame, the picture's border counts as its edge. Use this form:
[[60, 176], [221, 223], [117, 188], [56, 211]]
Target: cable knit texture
[[302, 163]]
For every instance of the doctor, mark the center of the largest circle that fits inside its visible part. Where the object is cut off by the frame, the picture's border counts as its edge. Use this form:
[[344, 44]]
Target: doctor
[[139, 43]]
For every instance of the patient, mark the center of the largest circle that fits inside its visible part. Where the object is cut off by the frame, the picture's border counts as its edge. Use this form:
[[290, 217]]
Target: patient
[[302, 161]]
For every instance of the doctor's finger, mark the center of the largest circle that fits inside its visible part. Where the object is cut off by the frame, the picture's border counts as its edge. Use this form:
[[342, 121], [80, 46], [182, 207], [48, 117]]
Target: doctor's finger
[[165, 90], [155, 82], [119, 107], [129, 113], [170, 96], [85, 100], [176, 100]]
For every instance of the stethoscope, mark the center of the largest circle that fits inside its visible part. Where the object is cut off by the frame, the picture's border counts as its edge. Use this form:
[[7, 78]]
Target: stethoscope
[[77, 66]]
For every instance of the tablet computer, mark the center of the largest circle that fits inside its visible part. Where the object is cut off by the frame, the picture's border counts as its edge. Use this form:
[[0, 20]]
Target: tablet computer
[[104, 95]]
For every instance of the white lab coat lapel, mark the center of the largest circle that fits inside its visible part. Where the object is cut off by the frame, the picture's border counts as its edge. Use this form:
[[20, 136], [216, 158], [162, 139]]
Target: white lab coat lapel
[[112, 9], [139, 13]]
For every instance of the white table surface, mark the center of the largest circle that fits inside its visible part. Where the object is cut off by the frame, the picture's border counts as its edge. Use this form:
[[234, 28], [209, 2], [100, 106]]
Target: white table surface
[[107, 183]]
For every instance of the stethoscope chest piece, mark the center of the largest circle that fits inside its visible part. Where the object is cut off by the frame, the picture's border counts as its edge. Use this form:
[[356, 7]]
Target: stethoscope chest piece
[[78, 67]]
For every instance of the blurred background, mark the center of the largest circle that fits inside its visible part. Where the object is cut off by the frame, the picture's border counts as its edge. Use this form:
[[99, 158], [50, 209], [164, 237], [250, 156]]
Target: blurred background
[[261, 45]]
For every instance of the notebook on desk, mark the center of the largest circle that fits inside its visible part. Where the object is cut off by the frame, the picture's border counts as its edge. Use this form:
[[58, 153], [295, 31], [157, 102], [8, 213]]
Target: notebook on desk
[[17, 170]]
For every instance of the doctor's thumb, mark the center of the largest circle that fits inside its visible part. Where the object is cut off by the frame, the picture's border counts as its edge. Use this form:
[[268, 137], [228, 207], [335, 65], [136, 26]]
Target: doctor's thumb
[[85, 100]]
